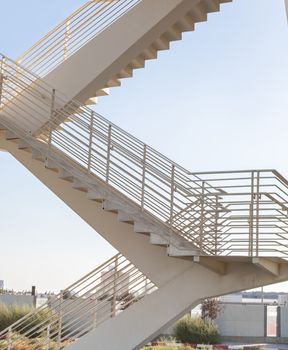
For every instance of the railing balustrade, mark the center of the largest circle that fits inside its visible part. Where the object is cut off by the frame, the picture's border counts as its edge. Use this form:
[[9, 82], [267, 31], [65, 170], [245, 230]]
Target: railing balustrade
[[103, 293], [221, 213], [73, 33]]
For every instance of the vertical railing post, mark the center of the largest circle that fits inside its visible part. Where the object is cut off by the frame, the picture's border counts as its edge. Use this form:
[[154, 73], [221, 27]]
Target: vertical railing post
[[146, 286], [114, 298], [90, 141], [9, 338], [202, 211], [1, 87], [66, 40], [143, 177], [52, 108], [108, 153], [172, 195], [251, 216], [216, 226], [48, 337], [1, 79], [60, 321], [257, 211], [95, 312]]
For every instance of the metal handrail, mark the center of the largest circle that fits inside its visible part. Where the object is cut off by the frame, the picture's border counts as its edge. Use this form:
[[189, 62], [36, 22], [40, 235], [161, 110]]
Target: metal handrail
[[73, 33], [80, 308], [155, 184], [210, 209]]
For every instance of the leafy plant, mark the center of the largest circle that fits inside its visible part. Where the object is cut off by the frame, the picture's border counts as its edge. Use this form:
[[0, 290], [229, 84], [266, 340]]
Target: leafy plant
[[23, 343], [33, 325], [11, 314], [196, 331], [210, 309]]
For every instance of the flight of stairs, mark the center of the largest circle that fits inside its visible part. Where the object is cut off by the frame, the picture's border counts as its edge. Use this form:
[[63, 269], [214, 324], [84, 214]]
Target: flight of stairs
[[183, 17], [185, 24], [167, 221]]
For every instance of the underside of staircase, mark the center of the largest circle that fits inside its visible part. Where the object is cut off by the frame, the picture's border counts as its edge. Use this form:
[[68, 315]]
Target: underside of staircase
[[85, 62]]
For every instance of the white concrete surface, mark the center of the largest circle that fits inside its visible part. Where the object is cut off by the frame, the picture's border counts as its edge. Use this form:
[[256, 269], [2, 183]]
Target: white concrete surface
[[243, 320], [284, 321]]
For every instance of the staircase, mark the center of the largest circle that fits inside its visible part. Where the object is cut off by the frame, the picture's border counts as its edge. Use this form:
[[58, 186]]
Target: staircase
[[183, 236], [71, 57], [228, 230], [98, 296]]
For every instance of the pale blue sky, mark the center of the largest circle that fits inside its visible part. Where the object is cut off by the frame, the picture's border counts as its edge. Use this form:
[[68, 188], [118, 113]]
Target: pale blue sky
[[217, 100]]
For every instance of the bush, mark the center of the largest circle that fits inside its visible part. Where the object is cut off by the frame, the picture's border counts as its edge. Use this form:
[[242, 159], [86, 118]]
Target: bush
[[33, 325], [23, 343], [196, 331], [11, 314]]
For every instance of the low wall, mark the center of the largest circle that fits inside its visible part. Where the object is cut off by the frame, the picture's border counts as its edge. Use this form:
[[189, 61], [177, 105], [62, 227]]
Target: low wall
[[284, 321], [245, 320], [20, 300], [255, 340]]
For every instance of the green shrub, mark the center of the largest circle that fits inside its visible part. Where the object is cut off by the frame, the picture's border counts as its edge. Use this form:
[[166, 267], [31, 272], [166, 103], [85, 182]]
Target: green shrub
[[196, 331], [33, 325], [23, 343], [11, 314]]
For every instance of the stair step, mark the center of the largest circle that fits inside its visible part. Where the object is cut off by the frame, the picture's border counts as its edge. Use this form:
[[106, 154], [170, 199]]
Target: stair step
[[211, 5], [137, 63], [186, 24], [110, 205], [95, 195], [78, 185], [173, 33], [11, 136], [124, 217], [113, 83], [149, 53], [125, 73], [197, 15], [37, 155], [49, 164], [162, 43], [103, 92], [91, 101], [64, 175], [158, 239], [23, 145], [140, 227]]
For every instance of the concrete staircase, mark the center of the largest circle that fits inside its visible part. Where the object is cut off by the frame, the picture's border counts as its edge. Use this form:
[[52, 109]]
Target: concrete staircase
[[72, 58], [192, 235]]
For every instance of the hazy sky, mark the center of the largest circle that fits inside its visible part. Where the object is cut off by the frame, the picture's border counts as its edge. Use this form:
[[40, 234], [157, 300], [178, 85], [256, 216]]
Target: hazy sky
[[216, 101]]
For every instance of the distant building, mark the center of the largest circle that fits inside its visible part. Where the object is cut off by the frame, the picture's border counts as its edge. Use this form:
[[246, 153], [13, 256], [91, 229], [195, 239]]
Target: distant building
[[1, 284], [283, 300], [231, 298]]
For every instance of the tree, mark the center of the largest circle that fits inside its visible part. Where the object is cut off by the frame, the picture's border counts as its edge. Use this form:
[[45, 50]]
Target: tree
[[210, 309]]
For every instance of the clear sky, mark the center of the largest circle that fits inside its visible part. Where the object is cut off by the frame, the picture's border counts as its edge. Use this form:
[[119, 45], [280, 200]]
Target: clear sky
[[216, 101]]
